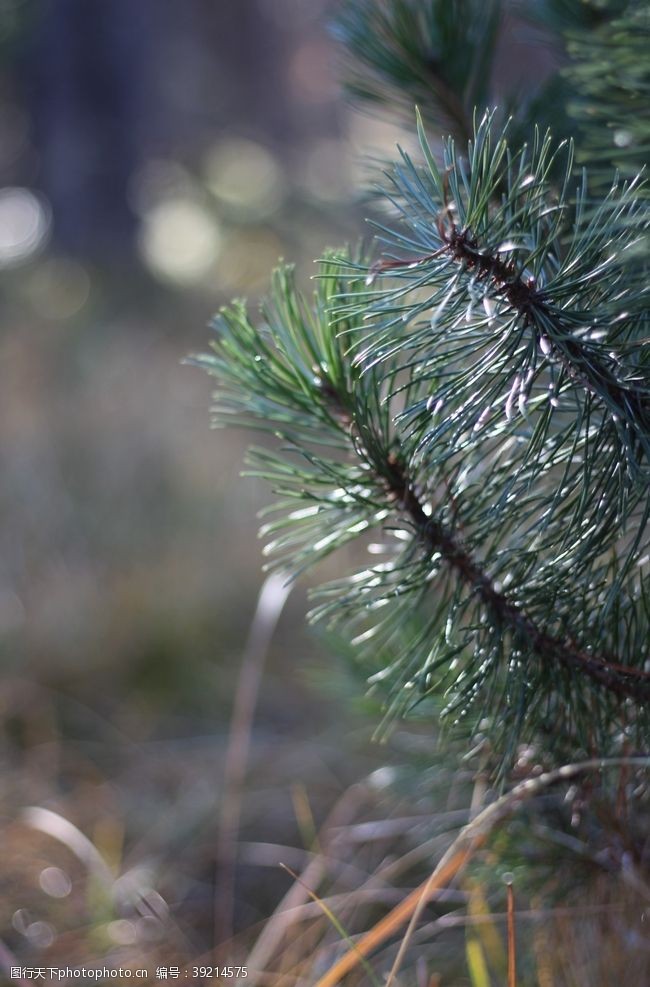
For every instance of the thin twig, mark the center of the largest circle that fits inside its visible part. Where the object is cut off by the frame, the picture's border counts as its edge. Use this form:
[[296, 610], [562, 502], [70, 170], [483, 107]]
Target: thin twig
[[270, 603], [512, 955]]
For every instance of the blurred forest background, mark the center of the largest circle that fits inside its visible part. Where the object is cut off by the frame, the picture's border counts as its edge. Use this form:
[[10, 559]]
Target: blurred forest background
[[156, 158]]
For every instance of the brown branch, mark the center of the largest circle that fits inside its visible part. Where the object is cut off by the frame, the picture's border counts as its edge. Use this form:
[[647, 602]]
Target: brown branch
[[623, 680], [523, 295], [620, 679]]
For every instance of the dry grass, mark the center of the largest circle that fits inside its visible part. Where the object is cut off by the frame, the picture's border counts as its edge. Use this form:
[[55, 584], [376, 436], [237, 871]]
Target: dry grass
[[88, 893]]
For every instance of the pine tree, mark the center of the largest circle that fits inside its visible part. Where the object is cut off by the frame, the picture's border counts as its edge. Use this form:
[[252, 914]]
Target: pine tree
[[473, 390]]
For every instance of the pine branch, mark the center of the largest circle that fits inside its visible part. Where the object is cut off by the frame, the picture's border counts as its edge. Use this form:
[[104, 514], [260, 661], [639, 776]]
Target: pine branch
[[478, 399], [572, 15], [608, 673], [462, 604], [392, 476], [627, 402], [606, 80], [557, 295], [432, 53], [609, 73]]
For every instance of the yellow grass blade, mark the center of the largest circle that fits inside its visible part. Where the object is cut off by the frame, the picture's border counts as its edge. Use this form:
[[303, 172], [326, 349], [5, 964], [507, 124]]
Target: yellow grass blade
[[476, 964]]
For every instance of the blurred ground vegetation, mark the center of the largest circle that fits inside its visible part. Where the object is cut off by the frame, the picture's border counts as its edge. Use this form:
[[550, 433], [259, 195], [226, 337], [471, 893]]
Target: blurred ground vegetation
[[155, 159]]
